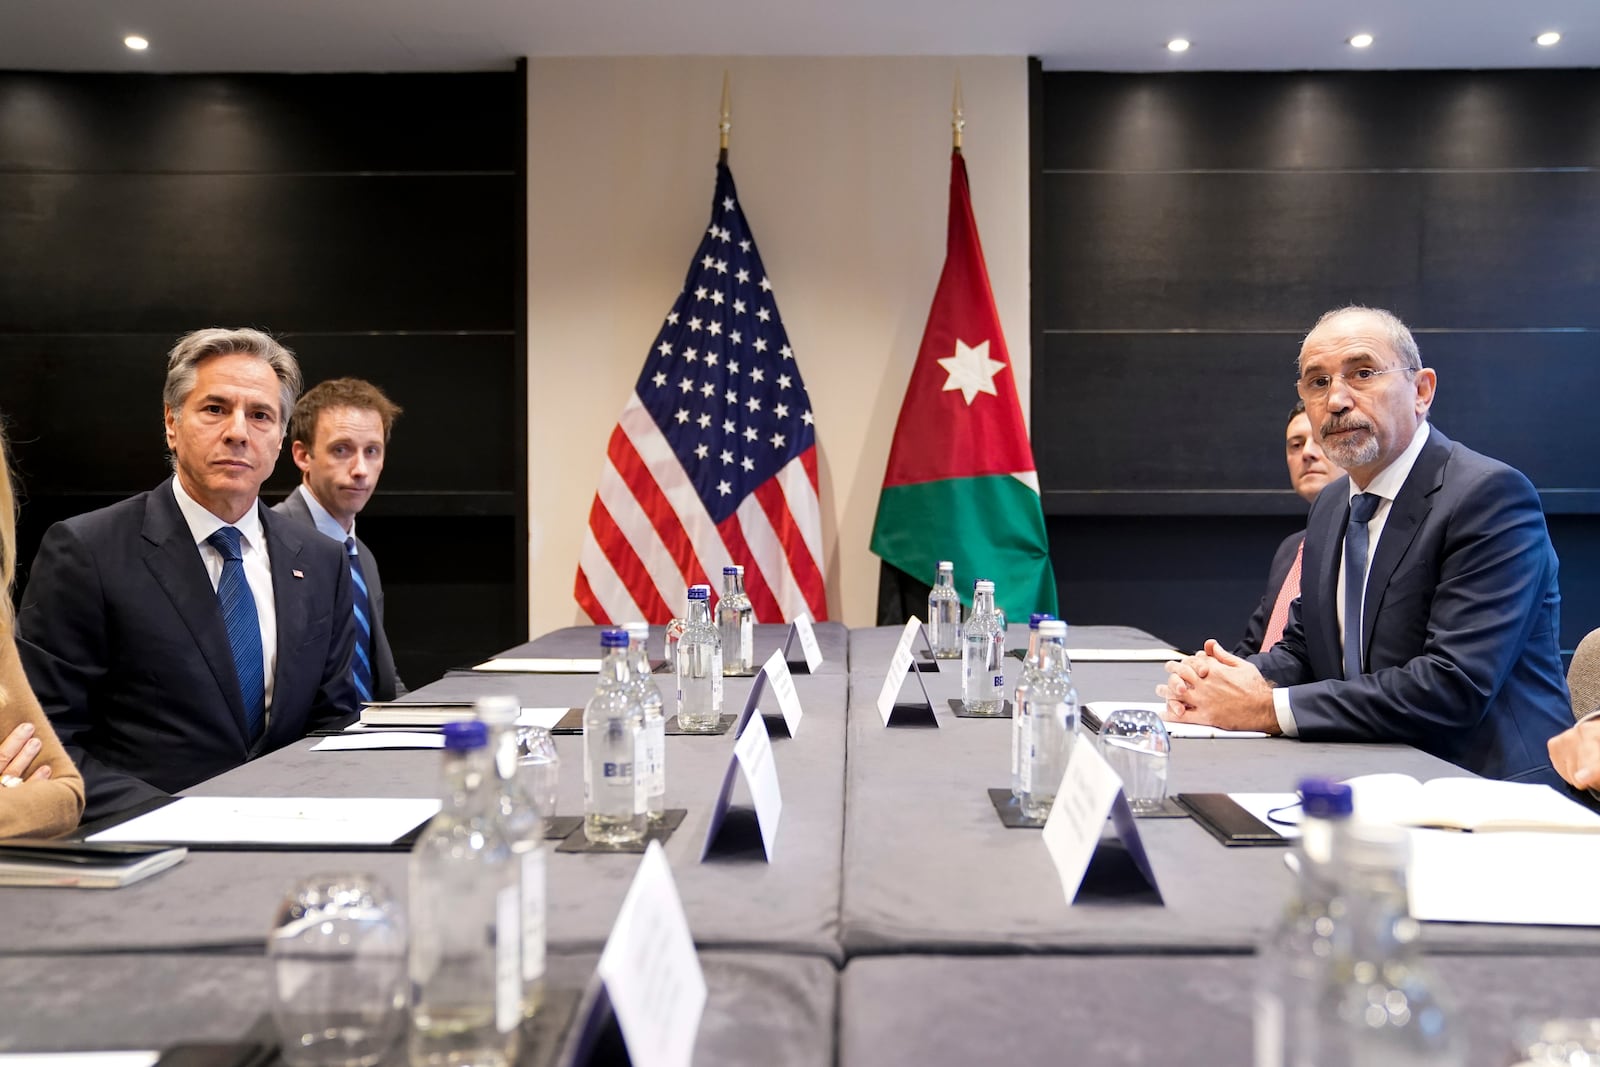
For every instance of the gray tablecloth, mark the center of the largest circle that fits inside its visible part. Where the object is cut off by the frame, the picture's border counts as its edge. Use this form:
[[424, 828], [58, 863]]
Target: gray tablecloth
[[227, 899], [760, 1008], [928, 1011], [928, 867]]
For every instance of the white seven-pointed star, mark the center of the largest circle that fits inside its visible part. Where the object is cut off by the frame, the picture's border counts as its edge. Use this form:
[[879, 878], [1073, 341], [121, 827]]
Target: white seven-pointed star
[[971, 370], [724, 488]]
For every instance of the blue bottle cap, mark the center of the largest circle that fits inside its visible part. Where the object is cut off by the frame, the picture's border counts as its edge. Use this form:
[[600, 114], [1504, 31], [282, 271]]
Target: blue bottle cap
[[613, 639], [465, 736], [1323, 798], [699, 592], [1037, 617], [731, 570]]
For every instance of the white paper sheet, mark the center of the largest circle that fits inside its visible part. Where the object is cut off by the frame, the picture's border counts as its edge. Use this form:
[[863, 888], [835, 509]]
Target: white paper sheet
[[1101, 708], [378, 739], [79, 1059], [276, 820], [1265, 807], [514, 665], [1123, 655], [1539, 879]]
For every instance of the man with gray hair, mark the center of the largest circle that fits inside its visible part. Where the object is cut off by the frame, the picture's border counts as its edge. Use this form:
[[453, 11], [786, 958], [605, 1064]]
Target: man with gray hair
[[188, 629], [1428, 608]]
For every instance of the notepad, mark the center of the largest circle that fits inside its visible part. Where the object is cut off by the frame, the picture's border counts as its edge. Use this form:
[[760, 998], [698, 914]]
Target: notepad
[[439, 712], [525, 665], [1480, 804], [1545, 879], [270, 821], [80, 865], [378, 740]]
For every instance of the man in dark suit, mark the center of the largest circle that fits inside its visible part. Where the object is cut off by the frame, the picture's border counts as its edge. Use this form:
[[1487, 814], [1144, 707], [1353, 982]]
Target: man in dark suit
[[1428, 614], [181, 632], [339, 436], [1309, 471]]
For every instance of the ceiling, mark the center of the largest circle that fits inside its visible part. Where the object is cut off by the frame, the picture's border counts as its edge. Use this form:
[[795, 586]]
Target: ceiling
[[435, 35]]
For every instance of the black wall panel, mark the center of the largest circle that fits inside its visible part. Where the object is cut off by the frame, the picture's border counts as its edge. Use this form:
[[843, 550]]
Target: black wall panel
[[1188, 230], [373, 222]]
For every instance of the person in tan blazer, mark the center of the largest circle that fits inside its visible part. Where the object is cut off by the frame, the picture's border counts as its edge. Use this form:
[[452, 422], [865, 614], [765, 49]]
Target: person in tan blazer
[[41, 792]]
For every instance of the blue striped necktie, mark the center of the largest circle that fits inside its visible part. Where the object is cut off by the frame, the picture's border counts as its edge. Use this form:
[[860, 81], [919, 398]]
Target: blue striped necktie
[[244, 629], [361, 666], [1362, 508]]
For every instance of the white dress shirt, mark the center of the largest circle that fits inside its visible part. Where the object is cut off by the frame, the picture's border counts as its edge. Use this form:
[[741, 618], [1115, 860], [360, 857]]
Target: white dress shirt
[[1386, 485], [257, 569], [323, 520]]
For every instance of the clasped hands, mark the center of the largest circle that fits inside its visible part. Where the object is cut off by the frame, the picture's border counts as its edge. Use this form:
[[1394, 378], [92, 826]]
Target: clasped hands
[[1216, 688]]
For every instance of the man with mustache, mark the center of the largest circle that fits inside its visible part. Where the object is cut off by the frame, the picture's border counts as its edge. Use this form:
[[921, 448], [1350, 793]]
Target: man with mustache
[[1309, 471], [1428, 608]]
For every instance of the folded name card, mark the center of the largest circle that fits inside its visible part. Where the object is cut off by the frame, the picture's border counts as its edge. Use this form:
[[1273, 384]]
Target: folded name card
[[801, 628], [913, 714], [752, 758], [1089, 793]]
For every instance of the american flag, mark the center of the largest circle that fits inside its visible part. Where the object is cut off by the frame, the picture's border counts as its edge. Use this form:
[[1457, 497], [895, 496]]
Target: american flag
[[714, 460]]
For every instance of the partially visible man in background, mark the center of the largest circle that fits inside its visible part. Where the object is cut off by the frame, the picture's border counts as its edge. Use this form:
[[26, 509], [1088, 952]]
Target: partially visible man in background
[[185, 630], [1309, 471], [339, 436]]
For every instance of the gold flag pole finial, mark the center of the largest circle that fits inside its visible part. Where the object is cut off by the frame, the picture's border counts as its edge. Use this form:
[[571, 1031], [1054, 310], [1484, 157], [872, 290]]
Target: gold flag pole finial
[[727, 112], [956, 120]]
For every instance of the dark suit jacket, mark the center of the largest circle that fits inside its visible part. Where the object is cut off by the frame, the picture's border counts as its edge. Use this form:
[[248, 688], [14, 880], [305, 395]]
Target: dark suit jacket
[[122, 638], [386, 683], [1277, 574], [1460, 622]]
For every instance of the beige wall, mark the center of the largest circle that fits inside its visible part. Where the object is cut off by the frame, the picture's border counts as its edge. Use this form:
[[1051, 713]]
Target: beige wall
[[843, 169]]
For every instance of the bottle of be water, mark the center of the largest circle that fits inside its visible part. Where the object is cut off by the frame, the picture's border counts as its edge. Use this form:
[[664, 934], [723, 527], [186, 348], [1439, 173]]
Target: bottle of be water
[[983, 649], [1048, 712], [1029, 663], [464, 956], [699, 667], [524, 825], [944, 613], [736, 621], [653, 754], [614, 803]]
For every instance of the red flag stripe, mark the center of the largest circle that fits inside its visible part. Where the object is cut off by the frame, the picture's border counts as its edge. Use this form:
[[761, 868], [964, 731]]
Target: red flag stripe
[[629, 568], [807, 576], [588, 601], [636, 476], [755, 582]]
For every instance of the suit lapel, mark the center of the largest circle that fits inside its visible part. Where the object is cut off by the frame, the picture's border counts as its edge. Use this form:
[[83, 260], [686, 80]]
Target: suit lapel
[[1410, 507], [290, 593], [174, 560]]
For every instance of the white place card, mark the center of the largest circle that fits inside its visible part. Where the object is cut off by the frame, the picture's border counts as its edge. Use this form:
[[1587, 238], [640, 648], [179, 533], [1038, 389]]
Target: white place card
[[899, 666], [801, 628], [526, 665], [776, 672], [1090, 792], [276, 821], [650, 971], [378, 739], [752, 758]]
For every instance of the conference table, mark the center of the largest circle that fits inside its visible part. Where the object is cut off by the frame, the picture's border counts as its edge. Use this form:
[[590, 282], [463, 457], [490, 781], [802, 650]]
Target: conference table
[[894, 892]]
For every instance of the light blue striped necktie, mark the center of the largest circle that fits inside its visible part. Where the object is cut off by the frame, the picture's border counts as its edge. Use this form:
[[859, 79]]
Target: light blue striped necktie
[[361, 666], [244, 628]]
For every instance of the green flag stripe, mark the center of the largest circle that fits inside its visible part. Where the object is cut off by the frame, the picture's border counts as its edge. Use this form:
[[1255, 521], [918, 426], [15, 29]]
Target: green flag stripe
[[990, 527]]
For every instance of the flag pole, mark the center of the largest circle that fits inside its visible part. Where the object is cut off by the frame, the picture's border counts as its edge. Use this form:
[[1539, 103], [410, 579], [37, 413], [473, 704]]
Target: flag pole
[[727, 122], [956, 120]]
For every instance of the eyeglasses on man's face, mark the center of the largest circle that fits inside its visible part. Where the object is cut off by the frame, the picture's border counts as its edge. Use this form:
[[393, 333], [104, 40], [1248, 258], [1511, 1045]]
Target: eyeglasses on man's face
[[1359, 380]]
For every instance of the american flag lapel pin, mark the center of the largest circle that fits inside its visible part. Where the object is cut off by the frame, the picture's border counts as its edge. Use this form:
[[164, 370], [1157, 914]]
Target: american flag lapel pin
[[298, 574]]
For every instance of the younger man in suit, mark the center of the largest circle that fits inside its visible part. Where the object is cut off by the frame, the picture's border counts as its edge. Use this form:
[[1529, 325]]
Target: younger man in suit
[[1309, 471], [339, 436], [1428, 608], [187, 629]]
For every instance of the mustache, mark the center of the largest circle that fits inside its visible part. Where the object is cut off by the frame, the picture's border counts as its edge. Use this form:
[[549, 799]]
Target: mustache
[[1338, 425]]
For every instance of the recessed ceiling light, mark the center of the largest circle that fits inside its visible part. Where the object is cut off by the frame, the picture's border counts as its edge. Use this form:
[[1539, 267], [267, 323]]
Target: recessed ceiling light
[[1547, 38], [1361, 40], [1178, 44], [135, 42]]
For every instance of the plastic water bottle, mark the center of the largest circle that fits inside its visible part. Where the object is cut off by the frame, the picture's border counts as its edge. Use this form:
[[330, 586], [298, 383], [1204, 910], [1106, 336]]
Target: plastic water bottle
[[1029, 662], [464, 957], [699, 667], [736, 624], [524, 825], [944, 613], [653, 757], [1294, 975], [983, 649], [1048, 712], [1390, 1009], [614, 805]]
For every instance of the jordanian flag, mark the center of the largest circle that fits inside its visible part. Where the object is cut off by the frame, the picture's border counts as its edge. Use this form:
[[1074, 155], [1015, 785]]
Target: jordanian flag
[[961, 484]]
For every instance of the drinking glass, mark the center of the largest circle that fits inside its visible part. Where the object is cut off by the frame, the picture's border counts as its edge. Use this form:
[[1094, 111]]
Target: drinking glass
[[1135, 742], [338, 952], [540, 767]]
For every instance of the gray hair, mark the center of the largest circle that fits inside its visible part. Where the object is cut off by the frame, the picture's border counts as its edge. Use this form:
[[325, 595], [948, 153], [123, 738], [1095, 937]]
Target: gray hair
[[1400, 339], [192, 349]]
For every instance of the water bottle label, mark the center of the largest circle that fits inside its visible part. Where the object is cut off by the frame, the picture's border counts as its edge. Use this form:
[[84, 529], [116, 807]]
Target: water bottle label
[[747, 641], [1025, 771], [641, 792], [619, 772], [999, 681], [716, 682], [507, 967], [532, 915], [1016, 735]]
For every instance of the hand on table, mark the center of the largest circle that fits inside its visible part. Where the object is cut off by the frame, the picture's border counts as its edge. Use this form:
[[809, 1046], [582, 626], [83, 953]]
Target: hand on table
[[17, 753], [1217, 688], [1575, 754]]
